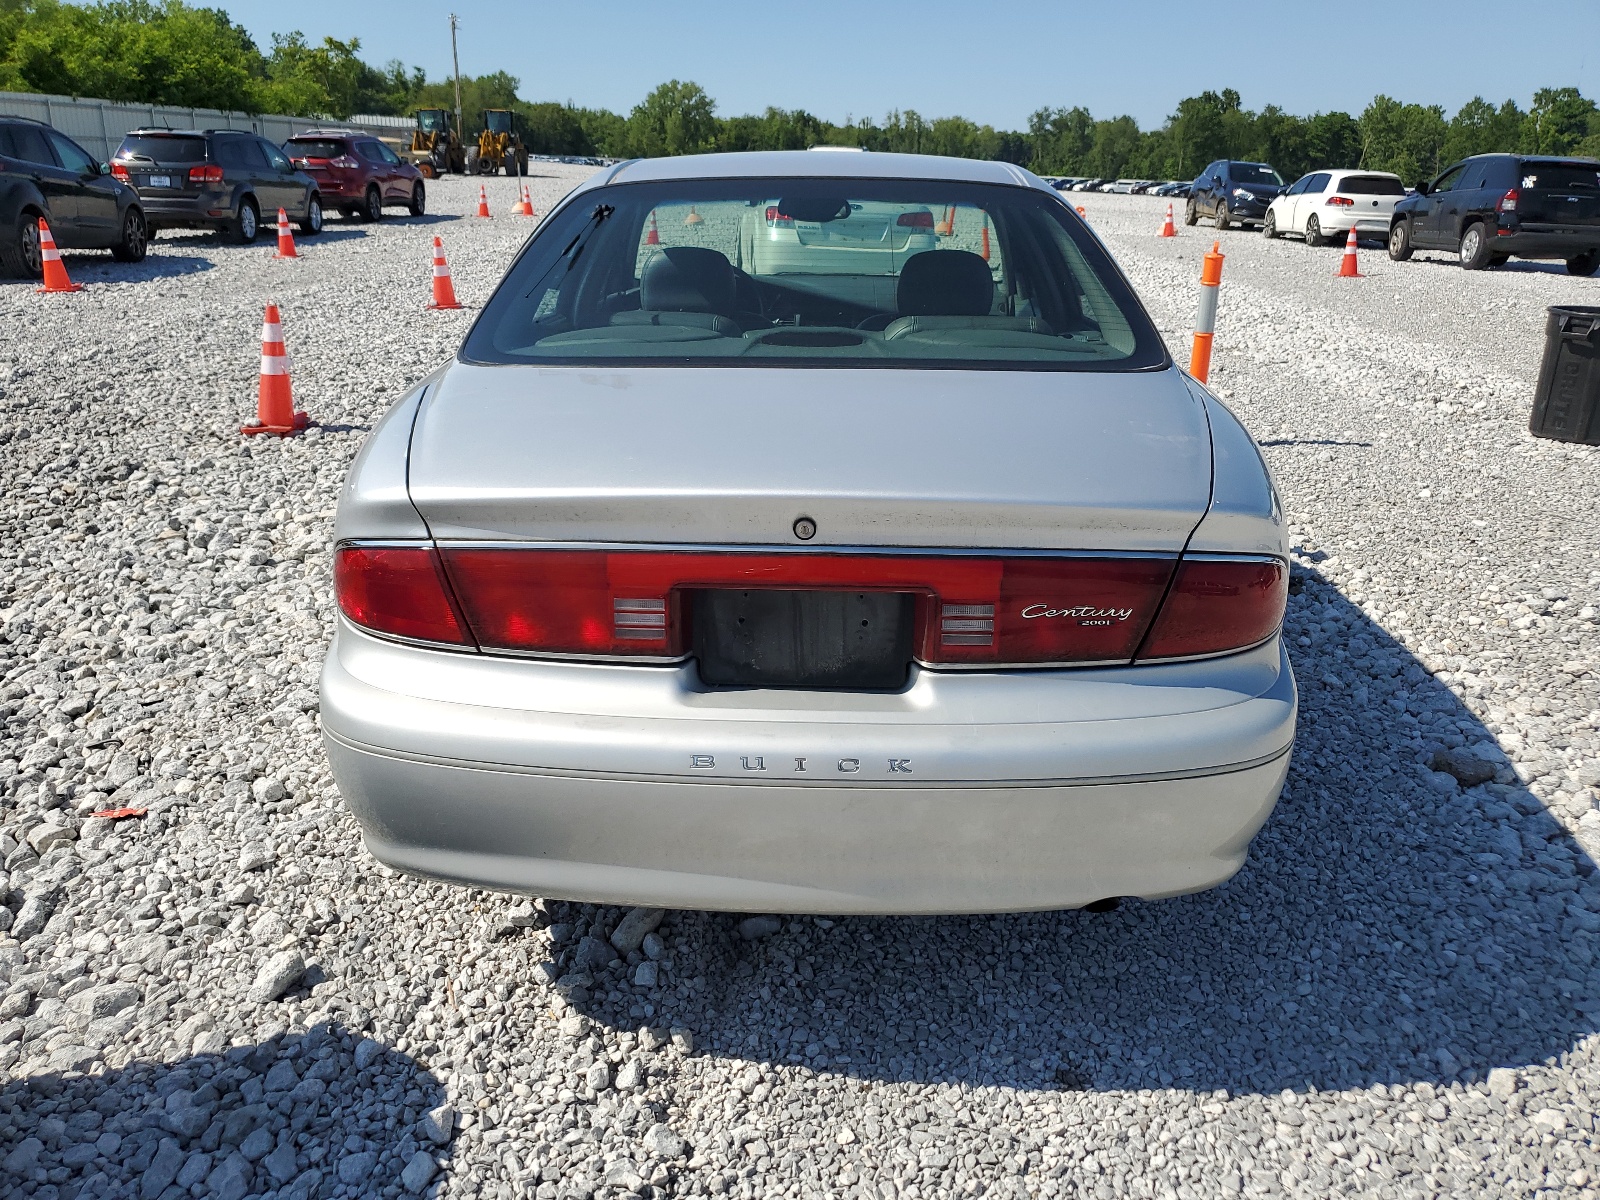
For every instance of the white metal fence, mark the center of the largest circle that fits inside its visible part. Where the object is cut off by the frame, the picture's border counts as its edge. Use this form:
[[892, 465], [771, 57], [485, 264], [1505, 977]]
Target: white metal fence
[[99, 125]]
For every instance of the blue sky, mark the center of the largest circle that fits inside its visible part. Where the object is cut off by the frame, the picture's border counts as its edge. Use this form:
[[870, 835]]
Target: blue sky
[[995, 63]]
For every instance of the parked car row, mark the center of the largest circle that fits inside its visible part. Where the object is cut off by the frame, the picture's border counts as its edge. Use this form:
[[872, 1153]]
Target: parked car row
[[1487, 209], [1126, 187], [220, 179]]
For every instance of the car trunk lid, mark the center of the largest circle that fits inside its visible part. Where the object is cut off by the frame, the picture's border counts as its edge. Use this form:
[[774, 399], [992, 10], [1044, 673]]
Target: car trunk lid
[[892, 458]]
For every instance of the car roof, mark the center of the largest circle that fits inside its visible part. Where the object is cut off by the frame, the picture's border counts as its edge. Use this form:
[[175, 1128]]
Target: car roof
[[25, 120], [163, 131], [323, 133], [811, 164]]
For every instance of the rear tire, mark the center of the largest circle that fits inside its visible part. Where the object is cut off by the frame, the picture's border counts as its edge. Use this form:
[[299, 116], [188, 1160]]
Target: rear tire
[[135, 238], [470, 166], [419, 199], [312, 224], [1269, 227], [1474, 250], [372, 207], [1584, 264], [1222, 215], [1191, 215], [19, 249], [1314, 232], [247, 225], [1400, 241]]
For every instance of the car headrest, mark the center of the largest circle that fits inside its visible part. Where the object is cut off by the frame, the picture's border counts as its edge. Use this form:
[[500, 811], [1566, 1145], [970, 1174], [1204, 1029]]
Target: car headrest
[[687, 279], [945, 283]]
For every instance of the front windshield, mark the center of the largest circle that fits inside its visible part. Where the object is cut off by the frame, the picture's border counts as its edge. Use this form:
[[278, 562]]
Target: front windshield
[[430, 120], [1256, 173], [498, 122], [819, 273]]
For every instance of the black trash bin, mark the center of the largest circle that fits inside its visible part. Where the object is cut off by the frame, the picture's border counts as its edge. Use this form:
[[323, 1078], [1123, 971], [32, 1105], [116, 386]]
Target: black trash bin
[[1567, 405]]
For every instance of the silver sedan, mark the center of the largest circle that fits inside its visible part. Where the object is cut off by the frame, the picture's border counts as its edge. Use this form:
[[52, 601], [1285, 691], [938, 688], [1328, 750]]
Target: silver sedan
[[702, 578]]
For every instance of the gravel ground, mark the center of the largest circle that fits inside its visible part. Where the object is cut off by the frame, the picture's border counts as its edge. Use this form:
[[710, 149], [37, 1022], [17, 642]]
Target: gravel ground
[[1398, 996]]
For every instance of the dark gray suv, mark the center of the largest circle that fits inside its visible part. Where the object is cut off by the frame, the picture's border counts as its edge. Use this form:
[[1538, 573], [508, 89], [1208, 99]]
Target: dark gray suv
[[44, 173], [219, 179], [1232, 192]]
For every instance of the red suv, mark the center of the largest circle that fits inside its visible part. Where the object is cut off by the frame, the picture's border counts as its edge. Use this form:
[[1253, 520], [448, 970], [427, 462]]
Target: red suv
[[356, 173]]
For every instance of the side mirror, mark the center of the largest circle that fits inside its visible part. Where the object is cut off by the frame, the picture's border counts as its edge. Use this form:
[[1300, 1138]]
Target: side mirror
[[1423, 189], [105, 168]]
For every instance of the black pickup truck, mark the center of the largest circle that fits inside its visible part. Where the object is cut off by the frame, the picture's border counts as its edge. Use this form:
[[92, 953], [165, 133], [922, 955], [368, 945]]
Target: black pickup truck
[[1492, 207]]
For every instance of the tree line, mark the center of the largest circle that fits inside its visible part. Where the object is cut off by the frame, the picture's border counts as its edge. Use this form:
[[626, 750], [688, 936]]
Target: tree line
[[167, 52]]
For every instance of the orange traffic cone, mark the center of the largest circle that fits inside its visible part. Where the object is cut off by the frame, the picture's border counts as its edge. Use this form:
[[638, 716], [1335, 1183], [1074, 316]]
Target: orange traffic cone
[[444, 291], [285, 238], [985, 251], [55, 274], [483, 201], [1082, 213], [1169, 229], [524, 205], [275, 411], [653, 238], [1348, 266], [693, 218]]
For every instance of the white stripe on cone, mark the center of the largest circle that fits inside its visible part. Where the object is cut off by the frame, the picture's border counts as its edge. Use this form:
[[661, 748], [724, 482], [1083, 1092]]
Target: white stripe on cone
[[274, 364]]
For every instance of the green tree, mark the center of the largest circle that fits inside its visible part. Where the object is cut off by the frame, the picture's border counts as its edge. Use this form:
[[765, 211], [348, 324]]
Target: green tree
[[1558, 122], [676, 118], [1062, 140], [1480, 128], [1407, 139], [555, 129]]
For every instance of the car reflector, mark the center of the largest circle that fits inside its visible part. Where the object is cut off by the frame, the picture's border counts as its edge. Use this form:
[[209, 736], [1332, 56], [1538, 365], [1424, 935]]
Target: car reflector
[[399, 591], [1218, 605]]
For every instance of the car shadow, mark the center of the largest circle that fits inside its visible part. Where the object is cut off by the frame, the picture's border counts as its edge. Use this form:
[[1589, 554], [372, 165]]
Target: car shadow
[[89, 266], [283, 1116], [1515, 266], [1389, 927]]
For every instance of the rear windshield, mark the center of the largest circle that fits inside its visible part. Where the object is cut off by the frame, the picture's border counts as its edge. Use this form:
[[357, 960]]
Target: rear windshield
[[855, 273], [1255, 173], [163, 148], [314, 147], [1561, 177], [1372, 185]]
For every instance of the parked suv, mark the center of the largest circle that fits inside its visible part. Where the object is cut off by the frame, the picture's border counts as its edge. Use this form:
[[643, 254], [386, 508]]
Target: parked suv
[[46, 174], [357, 174], [1492, 207], [1229, 191], [220, 179]]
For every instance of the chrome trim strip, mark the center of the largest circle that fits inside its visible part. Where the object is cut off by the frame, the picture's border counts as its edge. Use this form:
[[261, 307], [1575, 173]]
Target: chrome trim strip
[[732, 781], [809, 548]]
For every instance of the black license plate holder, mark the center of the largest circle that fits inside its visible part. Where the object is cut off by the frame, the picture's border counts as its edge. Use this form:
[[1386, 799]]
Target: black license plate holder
[[826, 640]]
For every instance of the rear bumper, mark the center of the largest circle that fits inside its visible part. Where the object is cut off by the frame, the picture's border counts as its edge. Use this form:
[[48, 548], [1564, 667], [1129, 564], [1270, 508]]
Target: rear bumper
[[1373, 225], [1547, 243], [965, 793], [203, 212]]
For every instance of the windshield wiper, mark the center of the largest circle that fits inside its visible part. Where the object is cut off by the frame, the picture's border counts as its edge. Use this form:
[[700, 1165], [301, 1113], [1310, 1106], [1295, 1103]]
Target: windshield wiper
[[575, 248]]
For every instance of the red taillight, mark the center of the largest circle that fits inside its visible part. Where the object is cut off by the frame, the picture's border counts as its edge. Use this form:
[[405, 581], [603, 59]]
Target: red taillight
[[1508, 202], [1217, 605], [205, 174], [915, 220], [774, 217], [971, 610], [345, 163], [119, 172], [1341, 202], [398, 590]]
